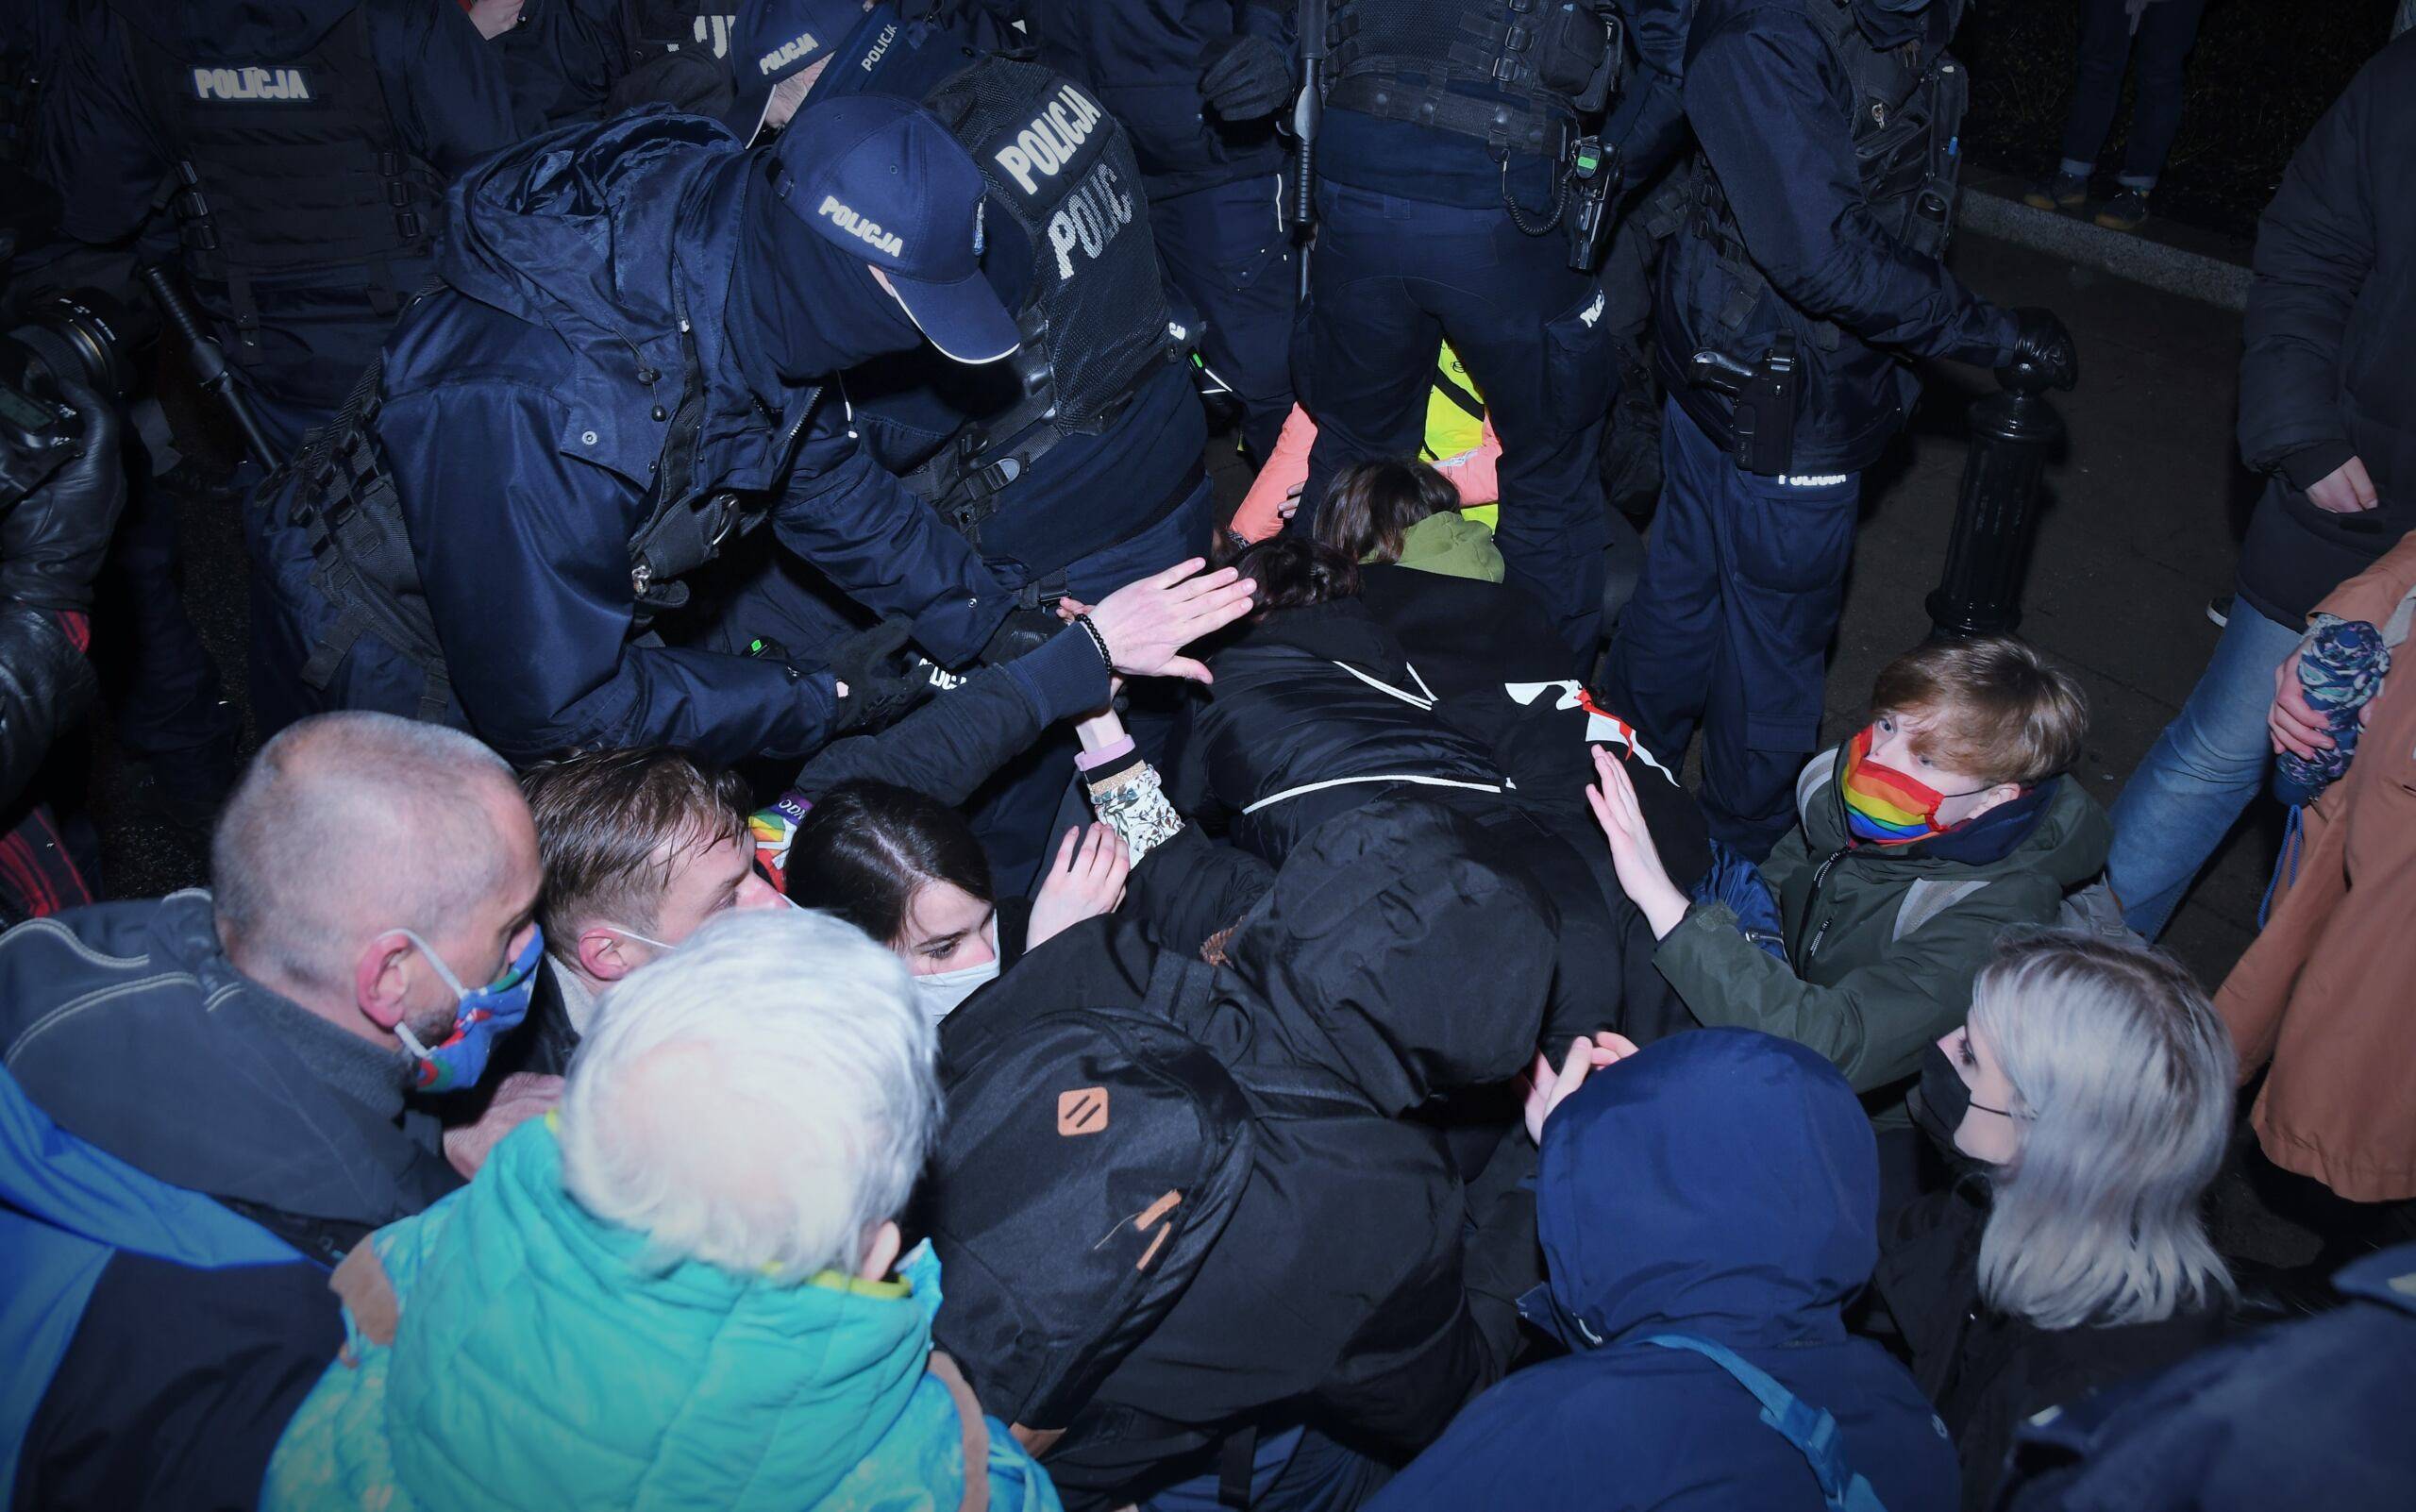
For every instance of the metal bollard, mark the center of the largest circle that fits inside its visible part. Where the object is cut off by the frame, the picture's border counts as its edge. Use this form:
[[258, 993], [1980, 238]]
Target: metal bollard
[[2012, 433]]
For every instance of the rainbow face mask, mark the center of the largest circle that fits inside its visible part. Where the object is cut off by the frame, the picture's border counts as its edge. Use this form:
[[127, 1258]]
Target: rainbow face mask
[[1885, 807]]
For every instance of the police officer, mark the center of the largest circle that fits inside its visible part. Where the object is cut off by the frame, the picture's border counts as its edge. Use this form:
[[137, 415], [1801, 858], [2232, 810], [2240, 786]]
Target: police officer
[[1076, 466], [542, 517], [580, 61], [1448, 165], [1807, 270], [305, 145], [1198, 84]]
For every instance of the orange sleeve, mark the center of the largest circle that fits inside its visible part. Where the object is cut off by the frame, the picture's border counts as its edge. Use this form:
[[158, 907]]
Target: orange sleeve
[[2373, 593], [1286, 470]]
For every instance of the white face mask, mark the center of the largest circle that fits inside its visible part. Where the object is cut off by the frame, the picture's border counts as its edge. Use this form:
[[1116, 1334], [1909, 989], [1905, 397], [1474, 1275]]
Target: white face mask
[[942, 992]]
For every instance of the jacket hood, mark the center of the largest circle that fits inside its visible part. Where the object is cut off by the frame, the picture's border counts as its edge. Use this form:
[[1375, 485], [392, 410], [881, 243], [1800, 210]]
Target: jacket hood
[[2067, 842], [1452, 544], [1342, 631], [1722, 1182], [1404, 949], [568, 228], [262, 31], [540, 1346]]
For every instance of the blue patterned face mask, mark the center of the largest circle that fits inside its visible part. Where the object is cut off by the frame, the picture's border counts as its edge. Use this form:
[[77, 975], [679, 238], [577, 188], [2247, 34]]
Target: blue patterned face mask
[[481, 1017]]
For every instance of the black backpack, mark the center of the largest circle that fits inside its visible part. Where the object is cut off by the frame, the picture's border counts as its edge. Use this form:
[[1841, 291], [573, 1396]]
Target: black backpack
[[1090, 1159]]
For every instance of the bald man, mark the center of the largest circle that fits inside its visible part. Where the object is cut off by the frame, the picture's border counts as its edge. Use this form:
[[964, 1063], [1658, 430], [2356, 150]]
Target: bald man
[[203, 1105]]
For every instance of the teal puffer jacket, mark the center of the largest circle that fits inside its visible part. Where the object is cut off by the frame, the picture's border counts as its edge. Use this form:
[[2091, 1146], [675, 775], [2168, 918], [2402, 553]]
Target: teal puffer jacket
[[541, 1362]]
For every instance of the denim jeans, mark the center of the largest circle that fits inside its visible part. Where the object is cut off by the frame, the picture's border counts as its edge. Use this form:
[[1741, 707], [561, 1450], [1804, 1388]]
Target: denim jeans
[[2107, 47], [2197, 780]]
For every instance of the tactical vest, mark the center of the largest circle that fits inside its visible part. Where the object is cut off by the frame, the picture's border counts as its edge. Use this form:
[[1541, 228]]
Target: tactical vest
[[1095, 322], [288, 166], [1398, 60], [1908, 106]]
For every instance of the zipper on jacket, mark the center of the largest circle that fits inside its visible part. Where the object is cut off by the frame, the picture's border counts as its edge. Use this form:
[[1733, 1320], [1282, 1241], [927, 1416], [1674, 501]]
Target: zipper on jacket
[[1812, 946]]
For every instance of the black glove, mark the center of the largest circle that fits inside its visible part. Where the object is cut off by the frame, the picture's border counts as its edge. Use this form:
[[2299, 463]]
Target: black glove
[[1243, 77], [2042, 344], [884, 681], [52, 542]]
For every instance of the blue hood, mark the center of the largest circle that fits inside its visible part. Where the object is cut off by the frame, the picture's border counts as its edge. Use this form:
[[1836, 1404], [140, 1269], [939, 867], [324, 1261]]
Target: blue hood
[[1721, 1183]]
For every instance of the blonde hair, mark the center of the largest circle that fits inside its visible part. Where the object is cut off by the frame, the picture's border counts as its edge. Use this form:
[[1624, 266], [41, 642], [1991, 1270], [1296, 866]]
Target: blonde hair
[[1998, 709], [2122, 1076]]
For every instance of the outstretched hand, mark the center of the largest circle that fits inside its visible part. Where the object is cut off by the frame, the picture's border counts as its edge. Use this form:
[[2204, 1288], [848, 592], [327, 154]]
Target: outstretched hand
[[1146, 624], [1546, 1088], [1086, 881], [1634, 856]]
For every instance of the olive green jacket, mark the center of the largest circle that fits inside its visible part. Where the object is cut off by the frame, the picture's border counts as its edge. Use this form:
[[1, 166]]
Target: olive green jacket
[[1877, 967]]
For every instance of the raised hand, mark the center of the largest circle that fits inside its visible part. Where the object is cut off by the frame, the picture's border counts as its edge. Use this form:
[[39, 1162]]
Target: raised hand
[[1146, 624], [1086, 881]]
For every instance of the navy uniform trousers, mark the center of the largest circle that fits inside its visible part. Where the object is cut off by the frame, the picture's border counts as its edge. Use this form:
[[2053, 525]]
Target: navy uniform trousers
[[1730, 626], [1391, 279], [1225, 250]]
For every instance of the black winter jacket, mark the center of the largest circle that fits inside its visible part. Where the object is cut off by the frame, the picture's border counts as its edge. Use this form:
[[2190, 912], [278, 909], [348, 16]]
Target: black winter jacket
[[2331, 320], [1336, 1291], [45, 685], [1309, 696], [1988, 1372]]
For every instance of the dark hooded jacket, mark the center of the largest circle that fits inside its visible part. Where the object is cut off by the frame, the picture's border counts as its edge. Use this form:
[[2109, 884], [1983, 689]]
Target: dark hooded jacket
[[1296, 702], [526, 404], [1337, 1292], [1721, 1185]]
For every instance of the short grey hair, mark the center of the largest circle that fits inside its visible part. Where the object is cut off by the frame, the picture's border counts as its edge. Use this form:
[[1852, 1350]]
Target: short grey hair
[[761, 1099], [2122, 1081], [352, 821]]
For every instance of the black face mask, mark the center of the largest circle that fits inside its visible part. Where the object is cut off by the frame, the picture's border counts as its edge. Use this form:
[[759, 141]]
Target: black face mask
[[1940, 1104]]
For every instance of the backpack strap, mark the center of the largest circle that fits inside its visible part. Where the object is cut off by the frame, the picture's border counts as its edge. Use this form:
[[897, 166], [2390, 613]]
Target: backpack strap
[[977, 1432], [1812, 1430]]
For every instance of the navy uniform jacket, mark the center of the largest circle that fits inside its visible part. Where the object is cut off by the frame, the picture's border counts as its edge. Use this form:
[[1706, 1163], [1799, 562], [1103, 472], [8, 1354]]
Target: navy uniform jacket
[[1142, 58], [1772, 106], [522, 440], [442, 85]]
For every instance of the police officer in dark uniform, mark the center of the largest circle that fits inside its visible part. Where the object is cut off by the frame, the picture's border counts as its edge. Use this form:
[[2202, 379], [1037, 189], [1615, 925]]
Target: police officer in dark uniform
[[1198, 84], [1448, 167], [1076, 466], [547, 514], [1808, 271], [305, 146], [580, 61]]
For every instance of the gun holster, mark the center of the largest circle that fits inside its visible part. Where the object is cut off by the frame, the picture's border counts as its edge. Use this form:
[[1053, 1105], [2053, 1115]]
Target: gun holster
[[1763, 424]]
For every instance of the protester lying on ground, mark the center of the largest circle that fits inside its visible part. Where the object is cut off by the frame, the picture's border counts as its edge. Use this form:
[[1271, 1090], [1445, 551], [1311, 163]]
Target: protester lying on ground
[[2322, 995], [906, 869], [1314, 710], [372, 932], [677, 1288], [1400, 954], [1498, 671], [2089, 1102], [1705, 1206], [2311, 1413], [1939, 824]]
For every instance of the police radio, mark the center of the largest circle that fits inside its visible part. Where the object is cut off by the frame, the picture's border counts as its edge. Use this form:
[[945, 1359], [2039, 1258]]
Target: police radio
[[1594, 175]]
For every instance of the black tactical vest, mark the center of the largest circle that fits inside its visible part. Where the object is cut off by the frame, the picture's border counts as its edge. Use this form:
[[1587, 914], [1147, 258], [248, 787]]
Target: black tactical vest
[[1095, 321], [1399, 60], [1909, 105], [288, 166]]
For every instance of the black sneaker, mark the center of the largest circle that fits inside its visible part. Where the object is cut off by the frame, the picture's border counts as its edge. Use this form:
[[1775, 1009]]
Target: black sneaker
[[2060, 192], [2218, 610], [2125, 211]]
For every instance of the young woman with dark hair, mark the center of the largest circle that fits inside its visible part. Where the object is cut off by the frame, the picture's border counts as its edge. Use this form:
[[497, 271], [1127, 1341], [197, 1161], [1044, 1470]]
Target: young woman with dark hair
[[906, 869]]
